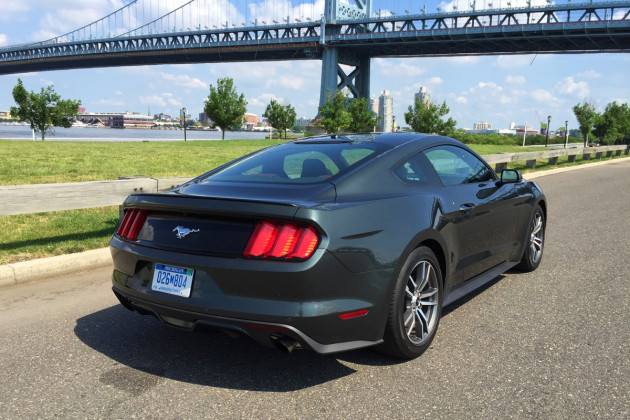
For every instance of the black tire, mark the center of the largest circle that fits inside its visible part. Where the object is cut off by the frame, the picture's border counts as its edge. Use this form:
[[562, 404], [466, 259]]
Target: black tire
[[535, 242], [415, 308]]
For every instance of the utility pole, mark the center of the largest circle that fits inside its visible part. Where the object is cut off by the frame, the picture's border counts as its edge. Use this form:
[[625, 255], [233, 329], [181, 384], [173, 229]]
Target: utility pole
[[566, 134]]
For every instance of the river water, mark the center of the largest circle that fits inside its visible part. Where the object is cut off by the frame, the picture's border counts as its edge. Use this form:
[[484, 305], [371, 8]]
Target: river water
[[19, 132]]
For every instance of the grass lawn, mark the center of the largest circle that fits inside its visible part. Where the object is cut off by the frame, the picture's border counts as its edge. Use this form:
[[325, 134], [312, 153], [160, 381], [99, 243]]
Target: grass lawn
[[45, 234], [27, 162]]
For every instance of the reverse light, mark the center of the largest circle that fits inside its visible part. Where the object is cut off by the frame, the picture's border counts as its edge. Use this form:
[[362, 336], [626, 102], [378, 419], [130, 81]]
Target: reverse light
[[132, 223], [281, 241]]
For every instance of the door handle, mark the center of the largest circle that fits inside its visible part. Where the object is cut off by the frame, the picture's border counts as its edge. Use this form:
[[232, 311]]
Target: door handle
[[466, 208]]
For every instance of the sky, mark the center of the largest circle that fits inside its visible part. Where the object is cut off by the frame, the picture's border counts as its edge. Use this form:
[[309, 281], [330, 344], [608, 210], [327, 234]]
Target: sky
[[494, 89]]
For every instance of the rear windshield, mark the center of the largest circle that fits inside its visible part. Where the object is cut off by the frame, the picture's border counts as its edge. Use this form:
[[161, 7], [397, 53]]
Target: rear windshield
[[302, 162]]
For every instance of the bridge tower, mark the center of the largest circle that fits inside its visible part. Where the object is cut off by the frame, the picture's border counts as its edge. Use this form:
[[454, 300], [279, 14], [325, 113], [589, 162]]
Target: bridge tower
[[333, 76]]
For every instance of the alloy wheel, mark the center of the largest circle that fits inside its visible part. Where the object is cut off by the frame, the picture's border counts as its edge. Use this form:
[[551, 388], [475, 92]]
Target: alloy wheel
[[421, 302]]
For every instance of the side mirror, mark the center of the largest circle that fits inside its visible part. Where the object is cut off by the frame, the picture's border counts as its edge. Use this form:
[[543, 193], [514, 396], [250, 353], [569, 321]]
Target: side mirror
[[511, 176]]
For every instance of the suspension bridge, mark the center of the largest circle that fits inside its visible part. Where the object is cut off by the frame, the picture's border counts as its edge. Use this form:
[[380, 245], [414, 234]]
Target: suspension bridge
[[338, 32]]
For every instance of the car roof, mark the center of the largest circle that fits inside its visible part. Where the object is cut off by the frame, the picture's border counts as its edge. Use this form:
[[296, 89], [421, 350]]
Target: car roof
[[390, 139]]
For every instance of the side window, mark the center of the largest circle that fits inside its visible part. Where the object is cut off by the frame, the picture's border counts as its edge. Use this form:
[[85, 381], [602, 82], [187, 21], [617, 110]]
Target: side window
[[457, 166], [412, 171]]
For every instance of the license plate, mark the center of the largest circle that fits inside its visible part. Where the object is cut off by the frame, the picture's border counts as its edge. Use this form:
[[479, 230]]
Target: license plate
[[172, 280]]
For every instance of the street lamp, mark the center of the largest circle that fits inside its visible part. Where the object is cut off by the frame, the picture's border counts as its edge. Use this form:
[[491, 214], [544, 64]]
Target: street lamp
[[566, 134], [547, 133], [184, 111]]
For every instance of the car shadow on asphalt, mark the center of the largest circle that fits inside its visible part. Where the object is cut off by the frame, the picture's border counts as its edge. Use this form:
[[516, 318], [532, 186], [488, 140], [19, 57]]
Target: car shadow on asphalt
[[144, 344], [146, 350], [470, 296]]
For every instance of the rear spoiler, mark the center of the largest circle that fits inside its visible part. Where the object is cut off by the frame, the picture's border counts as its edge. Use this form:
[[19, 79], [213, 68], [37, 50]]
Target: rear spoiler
[[212, 205]]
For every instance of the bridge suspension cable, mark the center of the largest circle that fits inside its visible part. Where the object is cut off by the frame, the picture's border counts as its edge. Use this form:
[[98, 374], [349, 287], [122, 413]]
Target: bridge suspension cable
[[141, 17]]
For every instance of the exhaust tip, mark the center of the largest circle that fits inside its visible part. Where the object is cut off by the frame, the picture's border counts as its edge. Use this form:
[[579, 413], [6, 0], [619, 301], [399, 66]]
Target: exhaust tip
[[285, 344]]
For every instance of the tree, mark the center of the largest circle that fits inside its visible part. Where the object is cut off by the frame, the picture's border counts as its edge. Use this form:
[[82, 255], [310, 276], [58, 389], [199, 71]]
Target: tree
[[280, 117], [361, 116], [586, 116], [334, 115], [43, 110], [613, 124], [427, 118], [224, 106]]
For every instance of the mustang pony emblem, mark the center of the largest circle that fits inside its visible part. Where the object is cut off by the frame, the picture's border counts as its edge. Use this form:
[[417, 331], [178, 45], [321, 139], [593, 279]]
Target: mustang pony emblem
[[182, 231]]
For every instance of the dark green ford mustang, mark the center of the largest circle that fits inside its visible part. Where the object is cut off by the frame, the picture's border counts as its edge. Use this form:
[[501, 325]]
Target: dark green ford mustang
[[329, 243]]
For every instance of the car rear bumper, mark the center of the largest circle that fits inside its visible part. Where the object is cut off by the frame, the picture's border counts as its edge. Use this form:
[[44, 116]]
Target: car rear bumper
[[282, 336], [304, 301]]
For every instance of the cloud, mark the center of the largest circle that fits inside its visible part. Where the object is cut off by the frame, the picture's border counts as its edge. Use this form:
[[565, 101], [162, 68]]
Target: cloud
[[515, 80], [461, 100], [486, 86], [263, 100], [111, 102], [399, 69], [545, 97], [589, 74], [183, 80], [4, 40], [463, 60], [153, 100], [570, 87], [11, 8], [434, 81], [63, 16], [287, 82], [175, 102]]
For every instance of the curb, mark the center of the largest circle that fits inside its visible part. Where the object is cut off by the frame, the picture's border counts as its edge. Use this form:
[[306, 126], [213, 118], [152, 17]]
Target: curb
[[27, 271], [534, 175]]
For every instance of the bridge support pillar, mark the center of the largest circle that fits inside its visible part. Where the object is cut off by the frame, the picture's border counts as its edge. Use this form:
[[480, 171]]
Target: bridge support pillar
[[344, 70]]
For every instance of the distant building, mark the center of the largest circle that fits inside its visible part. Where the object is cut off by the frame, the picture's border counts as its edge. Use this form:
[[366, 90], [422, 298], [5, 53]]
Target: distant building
[[423, 96], [482, 126], [250, 118], [5, 114], [520, 129], [136, 120], [374, 105], [117, 120], [249, 121], [163, 118], [302, 121], [500, 131], [386, 112], [112, 120], [203, 117]]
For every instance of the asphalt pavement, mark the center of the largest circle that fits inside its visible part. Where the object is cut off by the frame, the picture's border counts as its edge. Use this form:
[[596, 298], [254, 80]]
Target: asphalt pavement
[[554, 343]]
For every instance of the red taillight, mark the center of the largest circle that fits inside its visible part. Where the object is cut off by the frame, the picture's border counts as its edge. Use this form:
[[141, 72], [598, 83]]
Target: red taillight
[[132, 224], [262, 240], [306, 244], [354, 314], [282, 241], [285, 242]]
